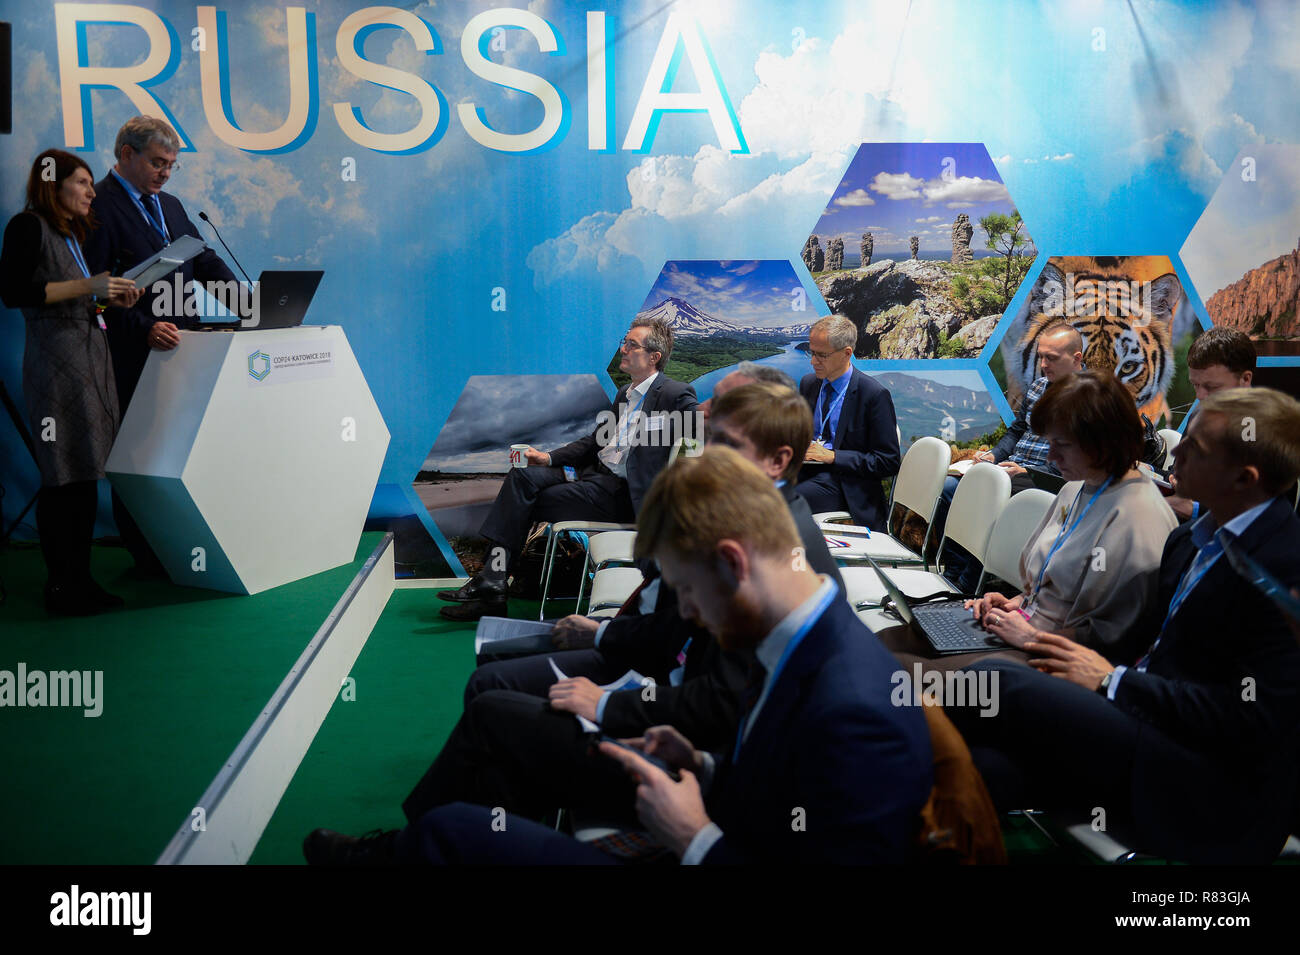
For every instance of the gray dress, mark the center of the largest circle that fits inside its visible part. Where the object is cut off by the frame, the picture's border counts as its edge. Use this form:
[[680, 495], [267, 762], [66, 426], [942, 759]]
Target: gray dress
[[68, 380]]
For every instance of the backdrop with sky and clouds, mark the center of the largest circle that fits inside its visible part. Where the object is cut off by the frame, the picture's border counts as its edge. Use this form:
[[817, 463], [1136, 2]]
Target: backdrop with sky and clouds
[[1110, 123]]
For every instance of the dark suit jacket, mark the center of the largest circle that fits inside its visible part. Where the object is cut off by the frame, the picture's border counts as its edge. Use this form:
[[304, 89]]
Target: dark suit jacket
[[705, 707], [123, 239], [1214, 763], [650, 452], [866, 445], [827, 742]]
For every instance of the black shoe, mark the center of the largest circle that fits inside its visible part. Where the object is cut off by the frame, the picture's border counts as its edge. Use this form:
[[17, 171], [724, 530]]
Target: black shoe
[[478, 588], [102, 597], [63, 600], [473, 610], [326, 847]]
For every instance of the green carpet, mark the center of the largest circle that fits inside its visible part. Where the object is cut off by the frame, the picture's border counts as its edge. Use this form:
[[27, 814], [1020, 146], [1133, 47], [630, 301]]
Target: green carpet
[[370, 752], [185, 672]]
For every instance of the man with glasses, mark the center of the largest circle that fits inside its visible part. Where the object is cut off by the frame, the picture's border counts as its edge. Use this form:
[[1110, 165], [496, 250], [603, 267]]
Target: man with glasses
[[600, 477], [135, 220], [855, 432]]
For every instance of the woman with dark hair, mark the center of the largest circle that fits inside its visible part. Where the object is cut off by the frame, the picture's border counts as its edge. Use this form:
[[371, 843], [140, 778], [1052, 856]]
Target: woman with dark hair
[[67, 376], [1090, 568]]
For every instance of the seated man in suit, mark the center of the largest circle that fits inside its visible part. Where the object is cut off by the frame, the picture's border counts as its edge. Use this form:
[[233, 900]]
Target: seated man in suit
[[512, 749], [823, 767], [1219, 359], [610, 469], [855, 432], [1194, 746], [136, 219]]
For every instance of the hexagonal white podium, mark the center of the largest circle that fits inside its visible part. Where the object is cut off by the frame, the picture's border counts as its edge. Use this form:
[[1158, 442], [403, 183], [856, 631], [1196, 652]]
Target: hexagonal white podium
[[249, 458]]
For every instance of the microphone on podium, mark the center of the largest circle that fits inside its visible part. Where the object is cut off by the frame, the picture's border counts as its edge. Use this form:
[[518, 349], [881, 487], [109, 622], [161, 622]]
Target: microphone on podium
[[204, 216]]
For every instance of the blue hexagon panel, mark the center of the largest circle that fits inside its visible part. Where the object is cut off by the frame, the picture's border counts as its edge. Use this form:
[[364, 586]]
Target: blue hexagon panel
[[922, 248]]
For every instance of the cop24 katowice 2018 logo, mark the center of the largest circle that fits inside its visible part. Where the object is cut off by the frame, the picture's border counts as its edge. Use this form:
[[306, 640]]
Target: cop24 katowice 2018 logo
[[259, 365]]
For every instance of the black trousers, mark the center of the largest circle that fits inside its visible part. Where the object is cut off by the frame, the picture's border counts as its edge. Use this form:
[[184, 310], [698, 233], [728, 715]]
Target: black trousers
[[133, 538], [65, 522], [542, 494], [1051, 744], [461, 834], [510, 750], [533, 674]]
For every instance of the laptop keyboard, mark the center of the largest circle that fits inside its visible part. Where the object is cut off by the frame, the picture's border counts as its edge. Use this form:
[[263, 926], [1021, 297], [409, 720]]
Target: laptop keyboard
[[947, 629]]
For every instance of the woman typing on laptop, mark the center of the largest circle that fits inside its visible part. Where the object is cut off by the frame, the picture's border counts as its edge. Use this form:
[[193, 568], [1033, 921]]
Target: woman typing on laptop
[[1090, 568]]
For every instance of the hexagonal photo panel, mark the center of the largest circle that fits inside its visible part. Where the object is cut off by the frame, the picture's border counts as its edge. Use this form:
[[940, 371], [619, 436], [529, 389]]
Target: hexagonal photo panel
[[922, 248], [1243, 254], [726, 312], [469, 459], [1136, 320], [953, 405]]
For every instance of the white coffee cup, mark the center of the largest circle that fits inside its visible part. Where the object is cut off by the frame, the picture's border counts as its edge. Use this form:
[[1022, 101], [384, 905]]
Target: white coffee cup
[[517, 457]]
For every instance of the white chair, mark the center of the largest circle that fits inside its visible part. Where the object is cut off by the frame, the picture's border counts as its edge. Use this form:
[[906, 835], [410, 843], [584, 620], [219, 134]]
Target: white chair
[[833, 517], [611, 587], [607, 549], [981, 496], [1171, 439], [1010, 535], [917, 488], [590, 528]]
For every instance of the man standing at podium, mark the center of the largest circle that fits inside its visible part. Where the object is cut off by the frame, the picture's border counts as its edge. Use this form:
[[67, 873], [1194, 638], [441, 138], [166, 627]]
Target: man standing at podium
[[600, 477], [135, 220]]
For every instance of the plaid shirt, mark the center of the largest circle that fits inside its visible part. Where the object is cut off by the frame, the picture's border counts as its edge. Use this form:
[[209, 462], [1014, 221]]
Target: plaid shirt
[[1031, 449]]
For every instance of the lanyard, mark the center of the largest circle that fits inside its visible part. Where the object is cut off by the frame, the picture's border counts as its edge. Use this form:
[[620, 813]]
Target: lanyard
[[839, 400], [161, 229], [802, 632], [75, 249], [1063, 535], [1188, 583]]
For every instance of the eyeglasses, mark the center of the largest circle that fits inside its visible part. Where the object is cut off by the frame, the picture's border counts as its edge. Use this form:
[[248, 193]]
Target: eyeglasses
[[633, 346], [823, 355], [160, 164]]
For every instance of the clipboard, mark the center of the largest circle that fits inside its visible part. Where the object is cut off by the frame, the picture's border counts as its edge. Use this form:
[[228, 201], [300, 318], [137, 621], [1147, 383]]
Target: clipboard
[[165, 261]]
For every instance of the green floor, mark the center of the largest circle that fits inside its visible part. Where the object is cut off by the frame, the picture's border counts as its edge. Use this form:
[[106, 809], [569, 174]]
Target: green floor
[[182, 683]]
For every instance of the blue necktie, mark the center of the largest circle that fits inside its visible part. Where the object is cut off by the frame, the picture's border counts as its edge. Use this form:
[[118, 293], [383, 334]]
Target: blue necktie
[[155, 209], [828, 397]]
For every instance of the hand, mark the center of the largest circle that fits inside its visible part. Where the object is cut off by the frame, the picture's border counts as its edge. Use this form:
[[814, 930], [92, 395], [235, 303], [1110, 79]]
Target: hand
[[1069, 660], [1011, 469], [537, 458], [163, 336], [1181, 506], [985, 456], [1010, 626], [574, 632], [992, 601], [123, 292], [818, 453], [671, 746], [576, 695], [672, 811]]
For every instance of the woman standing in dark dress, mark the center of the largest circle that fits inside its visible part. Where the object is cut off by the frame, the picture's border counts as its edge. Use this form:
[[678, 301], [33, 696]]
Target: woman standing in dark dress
[[67, 376]]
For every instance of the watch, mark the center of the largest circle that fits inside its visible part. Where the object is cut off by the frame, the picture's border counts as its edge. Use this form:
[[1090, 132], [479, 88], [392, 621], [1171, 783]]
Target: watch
[[1105, 683]]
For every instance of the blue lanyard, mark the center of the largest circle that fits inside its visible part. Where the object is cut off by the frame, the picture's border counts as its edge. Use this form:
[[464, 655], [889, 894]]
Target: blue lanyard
[[1180, 594], [1063, 535], [160, 229], [75, 249], [839, 400], [802, 632]]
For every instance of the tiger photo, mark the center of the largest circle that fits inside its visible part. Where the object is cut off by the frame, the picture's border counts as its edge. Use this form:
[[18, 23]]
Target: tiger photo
[[1130, 310]]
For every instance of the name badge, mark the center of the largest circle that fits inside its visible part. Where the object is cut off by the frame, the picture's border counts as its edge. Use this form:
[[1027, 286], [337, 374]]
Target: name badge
[[654, 422]]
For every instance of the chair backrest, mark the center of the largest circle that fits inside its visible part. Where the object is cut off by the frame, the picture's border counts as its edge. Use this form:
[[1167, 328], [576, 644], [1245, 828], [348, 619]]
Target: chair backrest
[[1010, 534], [980, 497], [920, 477], [1171, 439]]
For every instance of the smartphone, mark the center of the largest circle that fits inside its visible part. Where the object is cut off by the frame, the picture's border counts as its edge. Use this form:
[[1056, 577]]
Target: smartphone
[[652, 760], [1264, 582]]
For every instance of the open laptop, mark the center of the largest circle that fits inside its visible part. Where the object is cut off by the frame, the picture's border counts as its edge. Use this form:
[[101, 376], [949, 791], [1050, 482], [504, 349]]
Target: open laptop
[[946, 624], [283, 297]]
